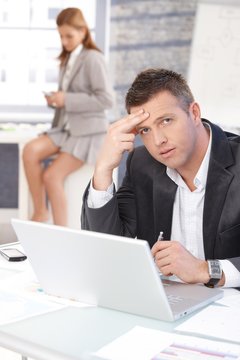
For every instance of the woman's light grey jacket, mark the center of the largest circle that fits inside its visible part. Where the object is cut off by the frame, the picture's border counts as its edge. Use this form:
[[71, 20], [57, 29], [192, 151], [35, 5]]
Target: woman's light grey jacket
[[88, 95]]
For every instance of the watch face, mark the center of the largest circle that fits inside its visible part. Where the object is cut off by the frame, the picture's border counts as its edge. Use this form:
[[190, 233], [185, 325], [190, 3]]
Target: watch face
[[215, 269]]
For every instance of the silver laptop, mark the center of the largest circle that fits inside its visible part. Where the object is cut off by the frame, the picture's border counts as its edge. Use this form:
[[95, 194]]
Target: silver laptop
[[106, 270]]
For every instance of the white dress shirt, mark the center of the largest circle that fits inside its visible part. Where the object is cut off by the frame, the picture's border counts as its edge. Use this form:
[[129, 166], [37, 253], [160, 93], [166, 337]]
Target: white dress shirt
[[71, 61], [187, 223]]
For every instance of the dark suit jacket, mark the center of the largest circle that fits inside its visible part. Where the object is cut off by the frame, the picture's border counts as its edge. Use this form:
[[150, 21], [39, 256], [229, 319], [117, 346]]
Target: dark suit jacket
[[143, 205]]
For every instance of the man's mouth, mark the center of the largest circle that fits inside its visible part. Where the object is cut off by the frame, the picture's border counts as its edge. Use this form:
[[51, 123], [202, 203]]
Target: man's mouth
[[167, 152]]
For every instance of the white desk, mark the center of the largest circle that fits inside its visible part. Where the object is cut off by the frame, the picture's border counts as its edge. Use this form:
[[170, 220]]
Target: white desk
[[72, 333]]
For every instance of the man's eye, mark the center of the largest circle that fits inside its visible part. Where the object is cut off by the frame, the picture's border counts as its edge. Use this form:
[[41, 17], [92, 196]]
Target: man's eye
[[144, 131], [166, 121]]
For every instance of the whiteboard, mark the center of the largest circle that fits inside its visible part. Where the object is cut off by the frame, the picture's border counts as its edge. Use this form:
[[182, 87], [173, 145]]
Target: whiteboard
[[214, 71]]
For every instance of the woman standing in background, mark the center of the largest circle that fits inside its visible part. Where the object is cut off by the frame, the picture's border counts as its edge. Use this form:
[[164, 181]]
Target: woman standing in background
[[79, 123]]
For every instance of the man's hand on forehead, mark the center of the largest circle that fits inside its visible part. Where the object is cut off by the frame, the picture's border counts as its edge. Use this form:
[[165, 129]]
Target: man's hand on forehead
[[134, 119], [129, 122], [119, 139]]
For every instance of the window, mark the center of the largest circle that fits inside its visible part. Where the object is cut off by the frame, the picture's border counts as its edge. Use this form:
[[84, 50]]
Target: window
[[29, 46]]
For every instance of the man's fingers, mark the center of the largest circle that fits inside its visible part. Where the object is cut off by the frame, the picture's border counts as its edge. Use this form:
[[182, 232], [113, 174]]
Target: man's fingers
[[129, 122], [161, 245], [125, 144], [163, 254], [124, 137]]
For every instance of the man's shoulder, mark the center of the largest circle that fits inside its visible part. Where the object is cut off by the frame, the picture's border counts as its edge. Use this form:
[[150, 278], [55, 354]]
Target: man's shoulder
[[225, 146], [218, 131], [233, 137]]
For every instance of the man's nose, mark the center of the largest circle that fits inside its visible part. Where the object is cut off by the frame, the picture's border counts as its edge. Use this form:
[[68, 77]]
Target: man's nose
[[159, 138]]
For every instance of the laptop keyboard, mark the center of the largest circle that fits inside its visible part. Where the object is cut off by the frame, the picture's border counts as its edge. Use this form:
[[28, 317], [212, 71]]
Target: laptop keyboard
[[173, 299]]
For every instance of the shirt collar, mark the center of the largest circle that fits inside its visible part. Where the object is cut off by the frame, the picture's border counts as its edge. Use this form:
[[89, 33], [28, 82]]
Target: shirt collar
[[200, 179], [76, 51]]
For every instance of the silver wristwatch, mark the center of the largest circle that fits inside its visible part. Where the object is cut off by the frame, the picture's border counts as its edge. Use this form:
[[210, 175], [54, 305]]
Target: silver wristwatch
[[215, 273]]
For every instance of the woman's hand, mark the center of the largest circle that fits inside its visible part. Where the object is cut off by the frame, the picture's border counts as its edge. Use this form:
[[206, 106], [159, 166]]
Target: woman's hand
[[56, 99]]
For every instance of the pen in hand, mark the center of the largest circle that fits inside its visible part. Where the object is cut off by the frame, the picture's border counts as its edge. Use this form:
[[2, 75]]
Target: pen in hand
[[160, 237]]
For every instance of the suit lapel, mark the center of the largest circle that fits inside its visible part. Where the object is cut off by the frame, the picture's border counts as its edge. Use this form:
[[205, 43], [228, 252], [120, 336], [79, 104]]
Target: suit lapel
[[61, 73], [164, 190], [77, 65], [218, 182]]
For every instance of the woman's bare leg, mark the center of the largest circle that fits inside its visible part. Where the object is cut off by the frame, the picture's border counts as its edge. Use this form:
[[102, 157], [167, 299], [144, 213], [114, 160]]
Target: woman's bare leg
[[53, 179], [34, 153]]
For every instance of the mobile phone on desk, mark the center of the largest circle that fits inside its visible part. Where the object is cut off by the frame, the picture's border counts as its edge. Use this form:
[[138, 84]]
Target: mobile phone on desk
[[12, 254]]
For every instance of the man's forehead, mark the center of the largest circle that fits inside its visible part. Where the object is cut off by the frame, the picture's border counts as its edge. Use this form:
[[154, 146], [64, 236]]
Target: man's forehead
[[162, 101]]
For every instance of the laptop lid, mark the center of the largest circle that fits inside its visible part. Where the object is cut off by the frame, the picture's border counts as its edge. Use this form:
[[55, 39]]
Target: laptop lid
[[109, 271]]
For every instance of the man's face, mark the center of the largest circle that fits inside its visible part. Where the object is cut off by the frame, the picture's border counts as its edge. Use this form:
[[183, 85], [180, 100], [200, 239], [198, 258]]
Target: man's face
[[169, 133]]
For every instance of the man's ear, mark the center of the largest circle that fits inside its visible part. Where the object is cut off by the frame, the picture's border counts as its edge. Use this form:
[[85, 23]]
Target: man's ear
[[195, 111]]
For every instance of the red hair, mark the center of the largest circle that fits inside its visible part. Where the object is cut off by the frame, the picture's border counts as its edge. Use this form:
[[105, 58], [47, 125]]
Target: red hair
[[74, 17]]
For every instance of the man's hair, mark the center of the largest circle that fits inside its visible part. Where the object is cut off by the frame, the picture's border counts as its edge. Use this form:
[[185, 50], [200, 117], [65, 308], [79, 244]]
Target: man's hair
[[151, 82]]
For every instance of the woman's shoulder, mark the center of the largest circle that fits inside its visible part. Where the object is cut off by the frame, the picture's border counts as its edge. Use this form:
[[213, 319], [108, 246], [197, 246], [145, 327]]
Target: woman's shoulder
[[94, 57], [92, 53]]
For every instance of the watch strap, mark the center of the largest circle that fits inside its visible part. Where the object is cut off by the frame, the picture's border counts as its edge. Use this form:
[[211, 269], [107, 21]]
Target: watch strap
[[215, 277], [212, 283]]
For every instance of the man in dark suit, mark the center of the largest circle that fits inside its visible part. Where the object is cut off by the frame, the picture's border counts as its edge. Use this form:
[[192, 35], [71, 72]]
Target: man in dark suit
[[183, 183]]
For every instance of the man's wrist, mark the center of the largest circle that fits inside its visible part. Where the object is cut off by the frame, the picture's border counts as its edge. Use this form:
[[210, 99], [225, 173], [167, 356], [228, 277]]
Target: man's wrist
[[97, 199], [205, 273], [102, 179]]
